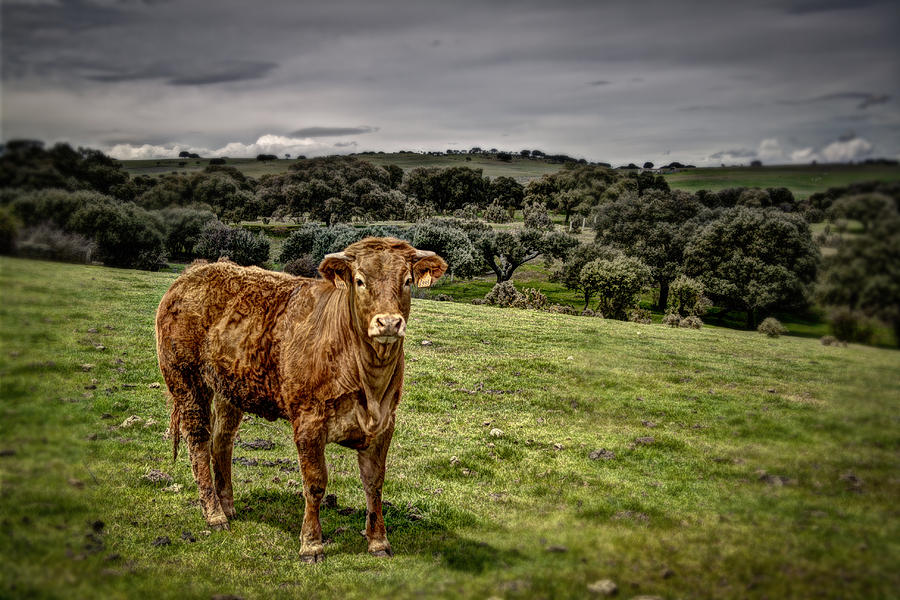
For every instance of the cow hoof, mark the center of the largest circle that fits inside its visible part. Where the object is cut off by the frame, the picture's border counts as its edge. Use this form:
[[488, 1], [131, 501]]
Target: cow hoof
[[311, 559], [383, 553], [220, 526]]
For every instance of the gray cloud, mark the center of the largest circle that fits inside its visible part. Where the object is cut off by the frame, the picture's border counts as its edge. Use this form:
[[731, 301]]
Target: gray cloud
[[316, 132], [472, 72], [865, 99]]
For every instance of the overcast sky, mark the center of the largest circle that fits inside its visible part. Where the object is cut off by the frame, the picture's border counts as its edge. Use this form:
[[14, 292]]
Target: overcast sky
[[701, 82]]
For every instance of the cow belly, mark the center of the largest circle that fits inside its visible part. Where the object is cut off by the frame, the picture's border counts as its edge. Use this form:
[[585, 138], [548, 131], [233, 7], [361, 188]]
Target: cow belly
[[254, 395]]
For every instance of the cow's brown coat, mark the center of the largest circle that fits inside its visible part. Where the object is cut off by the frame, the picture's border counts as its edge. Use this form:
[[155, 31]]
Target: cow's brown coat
[[232, 340]]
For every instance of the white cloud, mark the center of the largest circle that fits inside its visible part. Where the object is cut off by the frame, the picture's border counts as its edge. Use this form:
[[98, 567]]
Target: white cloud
[[846, 150], [265, 144], [770, 151], [842, 150]]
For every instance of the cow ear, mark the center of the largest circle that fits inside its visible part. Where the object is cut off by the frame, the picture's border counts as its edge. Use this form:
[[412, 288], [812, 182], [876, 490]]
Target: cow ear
[[336, 269], [427, 269]]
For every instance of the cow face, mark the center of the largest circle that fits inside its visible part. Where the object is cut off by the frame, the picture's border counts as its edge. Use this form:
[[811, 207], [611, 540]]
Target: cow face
[[378, 273]]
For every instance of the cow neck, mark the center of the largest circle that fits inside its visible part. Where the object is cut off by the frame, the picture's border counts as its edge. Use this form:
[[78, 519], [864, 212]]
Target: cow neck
[[380, 372]]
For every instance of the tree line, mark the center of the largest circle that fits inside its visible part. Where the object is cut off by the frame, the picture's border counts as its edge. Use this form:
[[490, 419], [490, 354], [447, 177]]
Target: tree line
[[744, 249]]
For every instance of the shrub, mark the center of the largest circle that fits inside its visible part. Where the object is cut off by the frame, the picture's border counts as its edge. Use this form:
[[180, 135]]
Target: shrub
[[504, 295], [183, 227], [691, 322], [534, 299], [563, 309], [772, 327], [468, 212], [850, 325], [218, 240], [9, 230], [47, 242], [537, 217], [686, 297], [640, 315], [479, 301], [304, 266], [300, 243], [830, 340], [671, 319], [496, 213], [443, 298], [591, 313], [127, 236]]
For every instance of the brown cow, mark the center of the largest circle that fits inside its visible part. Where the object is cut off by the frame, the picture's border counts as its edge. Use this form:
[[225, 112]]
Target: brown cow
[[326, 354]]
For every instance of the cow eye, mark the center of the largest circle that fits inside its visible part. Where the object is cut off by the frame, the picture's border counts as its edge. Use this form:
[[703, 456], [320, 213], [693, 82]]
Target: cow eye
[[407, 282], [360, 282]]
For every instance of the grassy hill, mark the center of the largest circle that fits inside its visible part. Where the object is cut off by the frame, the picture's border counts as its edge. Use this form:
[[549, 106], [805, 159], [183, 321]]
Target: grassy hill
[[803, 180], [727, 464]]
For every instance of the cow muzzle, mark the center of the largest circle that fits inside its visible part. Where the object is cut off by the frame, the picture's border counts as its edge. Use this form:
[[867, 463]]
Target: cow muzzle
[[387, 328]]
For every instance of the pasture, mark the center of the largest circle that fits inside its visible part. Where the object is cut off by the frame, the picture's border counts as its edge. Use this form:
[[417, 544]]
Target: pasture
[[682, 463]]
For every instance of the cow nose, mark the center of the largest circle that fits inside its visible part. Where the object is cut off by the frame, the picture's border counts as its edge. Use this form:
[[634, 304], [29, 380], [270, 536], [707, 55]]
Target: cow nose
[[387, 325]]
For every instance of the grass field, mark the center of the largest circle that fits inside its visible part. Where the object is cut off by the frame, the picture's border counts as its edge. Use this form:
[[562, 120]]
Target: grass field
[[732, 465], [802, 180]]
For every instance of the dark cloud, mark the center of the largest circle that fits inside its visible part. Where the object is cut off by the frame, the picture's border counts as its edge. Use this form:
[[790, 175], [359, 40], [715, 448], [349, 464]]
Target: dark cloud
[[865, 99], [528, 74], [730, 154], [316, 132]]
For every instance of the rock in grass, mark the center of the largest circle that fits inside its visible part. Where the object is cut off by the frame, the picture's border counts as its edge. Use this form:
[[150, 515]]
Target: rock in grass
[[130, 421], [157, 476], [602, 453], [496, 432], [603, 587]]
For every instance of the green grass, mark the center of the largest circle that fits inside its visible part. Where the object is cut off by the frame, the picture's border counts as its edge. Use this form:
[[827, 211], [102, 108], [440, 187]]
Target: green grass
[[524, 515], [802, 180]]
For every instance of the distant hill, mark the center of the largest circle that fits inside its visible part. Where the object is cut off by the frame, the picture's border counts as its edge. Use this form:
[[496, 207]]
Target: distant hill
[[802, 180]]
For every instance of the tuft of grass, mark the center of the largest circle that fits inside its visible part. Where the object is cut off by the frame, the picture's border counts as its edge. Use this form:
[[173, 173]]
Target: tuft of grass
[[736, 465]]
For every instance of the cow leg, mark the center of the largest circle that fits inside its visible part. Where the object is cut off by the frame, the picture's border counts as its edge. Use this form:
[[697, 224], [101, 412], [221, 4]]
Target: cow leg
[[311, 452], [226, 423], [196, 422], [371, 471]]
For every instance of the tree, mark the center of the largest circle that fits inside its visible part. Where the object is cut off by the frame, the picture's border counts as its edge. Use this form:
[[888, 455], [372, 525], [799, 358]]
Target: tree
[[506, 251], [525, 153], [618, 282], [864, 274], [569, 272], [127, 236], [656, 228], [450, 243], [648, 165], [266, 157], [507, 191], [184, 154], [754, 260]]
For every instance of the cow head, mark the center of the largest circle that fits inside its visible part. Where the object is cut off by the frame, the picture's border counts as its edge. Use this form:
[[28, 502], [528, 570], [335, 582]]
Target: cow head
[[378, 273]]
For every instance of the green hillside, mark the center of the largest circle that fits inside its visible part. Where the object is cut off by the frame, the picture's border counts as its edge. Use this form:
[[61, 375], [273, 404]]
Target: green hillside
[[687, 464]]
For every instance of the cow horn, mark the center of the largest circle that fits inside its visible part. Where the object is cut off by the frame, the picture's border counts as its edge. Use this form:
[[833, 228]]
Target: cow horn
[[337, 255], [420, 254]]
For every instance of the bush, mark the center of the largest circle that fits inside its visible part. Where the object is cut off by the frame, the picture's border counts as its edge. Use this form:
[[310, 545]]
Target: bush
[[534, 299], [127, 236], [9, 230], [640, 315], [47, 242], [300, 243], [671, 319], [850, 325], [239, 245], [504, 295], [443, 298], [468, 212], [686, 297], [830, 340], [479, 301], [183, 227], [619, 283], [591, 313], [772, 327], [563, 309], [691, 322], [304, 266], [537, 217], [496, 213]]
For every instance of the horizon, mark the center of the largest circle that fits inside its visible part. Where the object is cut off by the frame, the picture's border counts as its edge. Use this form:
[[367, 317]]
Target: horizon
[[788, 82]]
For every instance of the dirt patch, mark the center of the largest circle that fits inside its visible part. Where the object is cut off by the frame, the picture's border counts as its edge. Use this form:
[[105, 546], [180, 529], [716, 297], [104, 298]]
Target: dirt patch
[[258, 444], [603, 454]]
